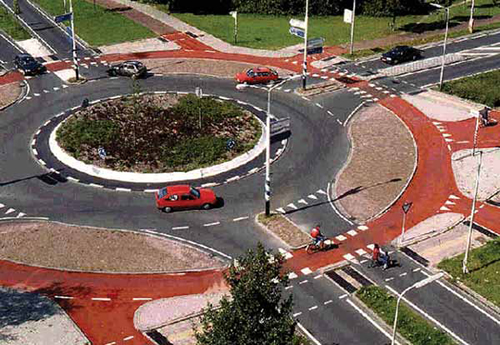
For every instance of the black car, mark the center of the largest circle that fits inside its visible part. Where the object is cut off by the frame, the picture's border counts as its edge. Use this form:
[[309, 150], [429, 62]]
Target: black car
[[28, 65], [133, 69], [401, 54]]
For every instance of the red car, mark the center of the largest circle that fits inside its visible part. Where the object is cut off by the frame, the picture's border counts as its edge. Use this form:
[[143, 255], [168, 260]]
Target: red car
[[183, 197], [259, 75]]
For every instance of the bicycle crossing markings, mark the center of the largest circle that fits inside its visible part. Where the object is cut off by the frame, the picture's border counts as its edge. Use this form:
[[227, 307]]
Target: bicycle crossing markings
[[352, 232], [321, 191], [341, 238], [281, 210], [312, 196], [361, 252], [286, 255], [302, 201], [292, 275], [306, 271], [291, 205]]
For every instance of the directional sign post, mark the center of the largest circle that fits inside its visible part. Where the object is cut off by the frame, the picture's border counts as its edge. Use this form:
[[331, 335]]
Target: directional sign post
[[315, 45], [298, 23], [406, 207], [297, 32]]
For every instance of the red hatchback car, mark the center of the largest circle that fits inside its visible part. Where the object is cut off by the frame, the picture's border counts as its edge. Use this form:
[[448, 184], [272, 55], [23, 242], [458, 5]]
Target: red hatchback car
[[259, 75], [184, 197]]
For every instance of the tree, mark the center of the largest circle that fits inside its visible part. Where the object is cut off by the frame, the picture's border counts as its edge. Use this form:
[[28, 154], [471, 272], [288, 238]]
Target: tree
[[256, 313]]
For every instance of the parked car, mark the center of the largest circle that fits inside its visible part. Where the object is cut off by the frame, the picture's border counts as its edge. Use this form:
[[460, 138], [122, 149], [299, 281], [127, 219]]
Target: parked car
[[28, 65], [258, 75], [133, 69], [185, 197], [401, 54]]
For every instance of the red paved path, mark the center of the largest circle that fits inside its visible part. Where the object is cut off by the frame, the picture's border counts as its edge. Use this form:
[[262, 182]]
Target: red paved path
[[112, 321]]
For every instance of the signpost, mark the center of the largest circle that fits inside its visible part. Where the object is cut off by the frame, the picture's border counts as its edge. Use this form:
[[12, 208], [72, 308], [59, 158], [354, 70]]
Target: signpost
[[315, 45], [199, 93], [234, 14], [406, 207], [297, 23], [349, 18]]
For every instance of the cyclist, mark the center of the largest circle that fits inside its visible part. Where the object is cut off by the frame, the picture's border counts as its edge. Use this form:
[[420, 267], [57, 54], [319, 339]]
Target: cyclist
[[317, 235], [375, 254]]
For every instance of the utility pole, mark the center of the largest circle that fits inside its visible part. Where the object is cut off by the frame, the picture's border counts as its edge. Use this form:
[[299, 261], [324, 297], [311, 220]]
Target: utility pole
[[351, 49], [471, 20]]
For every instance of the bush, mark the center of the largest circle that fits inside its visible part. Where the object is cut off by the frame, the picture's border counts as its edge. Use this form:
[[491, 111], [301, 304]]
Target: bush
[[197, 152]]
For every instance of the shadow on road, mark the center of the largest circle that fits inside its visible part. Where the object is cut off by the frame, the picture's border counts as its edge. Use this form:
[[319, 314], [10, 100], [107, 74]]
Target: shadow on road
[[51, 178]]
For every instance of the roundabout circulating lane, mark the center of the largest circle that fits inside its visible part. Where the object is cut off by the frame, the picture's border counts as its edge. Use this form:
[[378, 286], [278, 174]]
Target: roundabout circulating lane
[[316, 149]]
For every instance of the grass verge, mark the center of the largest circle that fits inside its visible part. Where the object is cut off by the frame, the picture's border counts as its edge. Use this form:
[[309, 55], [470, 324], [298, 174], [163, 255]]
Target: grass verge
[[11, 27], [284, 229], [98, 26], [481, 88], [411, 326], [484, 268]]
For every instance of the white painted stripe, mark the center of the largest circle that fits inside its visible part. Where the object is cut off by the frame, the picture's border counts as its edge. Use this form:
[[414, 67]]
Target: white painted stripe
[[142, 299], [321, 191], [352, 232], [123, 189], [297, 314], [234, 178], [454, 197], [33, 142], [343, 296], [444, 208], [211, 184], [362, 227], [112, 343], [303, 282], [348, 256], [72, 179], [312, 196], [373, 322], [211, 224], [328, 302], [313, 307], [302, 201], [128, 338], [35, 152], [240, 219], [95, 185], [280, 210], [361, 252], [416, 269], [291, 205], [363, 261], [309, 335], [306, 271], [370, 246], [100, 299], [10, 210], [403, 274], [341, 238], [42, 162], [448, 202], [319, 105], [460, 340], [289, 287], [20, 215], [389, 279], [180, 227], [292, 275], [63, 297]]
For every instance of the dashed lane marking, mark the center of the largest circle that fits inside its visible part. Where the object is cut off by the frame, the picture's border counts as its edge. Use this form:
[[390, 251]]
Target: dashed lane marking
[[119, 189], [303, 282], [297, 314], [289, 287], [302, 201], [313, 307], [416, 269], [240, 219], [63, 297], [180, 227], [211, 224], [318, 276], [291, 205], [128, 338], [343, 296], [104, 299], [389, 279], [142, 299], [319, 105], [312, 196], [292, 275], [403, 274], [352, 232], [328, 302]]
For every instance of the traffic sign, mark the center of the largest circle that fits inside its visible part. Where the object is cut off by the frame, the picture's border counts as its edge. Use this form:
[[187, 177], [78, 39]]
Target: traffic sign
[[298, 23], [297, 32], [62, 17], [315, 42], [348, 16], [406, 207]]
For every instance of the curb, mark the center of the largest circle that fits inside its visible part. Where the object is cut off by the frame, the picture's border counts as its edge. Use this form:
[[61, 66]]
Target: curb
[[20, 97], [285, 244], [180, 241]]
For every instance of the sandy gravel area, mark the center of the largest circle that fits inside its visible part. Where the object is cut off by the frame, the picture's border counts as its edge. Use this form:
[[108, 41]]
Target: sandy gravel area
[[62, 246], [217, 68], [284, 229], [379, 166], [9, 93]]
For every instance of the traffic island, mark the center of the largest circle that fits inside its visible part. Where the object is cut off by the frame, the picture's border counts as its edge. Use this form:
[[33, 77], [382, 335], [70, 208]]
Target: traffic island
[[283, 229], [9, 94]]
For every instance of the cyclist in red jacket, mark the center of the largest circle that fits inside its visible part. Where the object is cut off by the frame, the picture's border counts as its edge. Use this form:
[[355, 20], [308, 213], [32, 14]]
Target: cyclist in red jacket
[[317, 235]]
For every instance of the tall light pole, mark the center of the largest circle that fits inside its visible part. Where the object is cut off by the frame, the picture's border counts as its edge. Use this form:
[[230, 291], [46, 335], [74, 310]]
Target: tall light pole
[[267, 185], [447, 11], [304, 64], [417, 285], [75, 60], [472, 212]]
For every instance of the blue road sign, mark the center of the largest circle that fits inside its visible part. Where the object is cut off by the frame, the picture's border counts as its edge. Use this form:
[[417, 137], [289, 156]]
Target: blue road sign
[[297, 32], [62, 17]]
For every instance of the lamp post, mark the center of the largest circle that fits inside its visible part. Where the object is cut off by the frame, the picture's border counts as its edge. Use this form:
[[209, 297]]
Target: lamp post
[[472, 212], [414, 286], [267, 186], [75, 60], [447, 11]]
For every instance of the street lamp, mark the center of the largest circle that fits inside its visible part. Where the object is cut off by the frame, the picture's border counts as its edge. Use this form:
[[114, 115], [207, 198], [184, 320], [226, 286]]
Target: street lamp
[[267, 186], [414, 286], [304, 63], [447, 10]]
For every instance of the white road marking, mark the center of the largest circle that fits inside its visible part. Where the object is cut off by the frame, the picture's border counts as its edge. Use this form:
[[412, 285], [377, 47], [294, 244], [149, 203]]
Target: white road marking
[[20, 215], [292, 275], [321, 191], [309, 335], [348, 256], [306, 271], [95, 185], [303, 282], [72, 179], [373, 322], [234, 178], [302, 201], [63, 297], [403, 274], [280, 210], [289, 287], [142, 299], [151, 190], [389, 279], [318, 276], [239, 219], [448, 202], [361, 252], [180, 228], [35, 152], [444, 208], [112, 343], [211, 224], [352, 232], [370, 246], [123, 189], [328, 302], [454, 197], [319, 105], [460, 340], [297, 314], [416, 269], [100, 299], [10, 210], [341, 238], [211, 184], [343, 296], [291, 205], [313, 307], [312, 196], [128, 338]]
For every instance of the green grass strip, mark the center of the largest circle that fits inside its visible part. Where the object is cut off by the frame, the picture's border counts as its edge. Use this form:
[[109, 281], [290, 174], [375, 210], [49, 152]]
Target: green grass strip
[[411, 325], [11, 27], [481, 88], [483, 264], [98, 26]]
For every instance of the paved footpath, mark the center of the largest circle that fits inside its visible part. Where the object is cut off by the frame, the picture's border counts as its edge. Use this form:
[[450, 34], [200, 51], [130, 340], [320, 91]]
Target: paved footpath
[[103, 305]]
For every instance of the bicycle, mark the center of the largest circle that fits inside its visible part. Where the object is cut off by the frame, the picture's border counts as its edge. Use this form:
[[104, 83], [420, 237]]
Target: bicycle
[[324, 245]]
